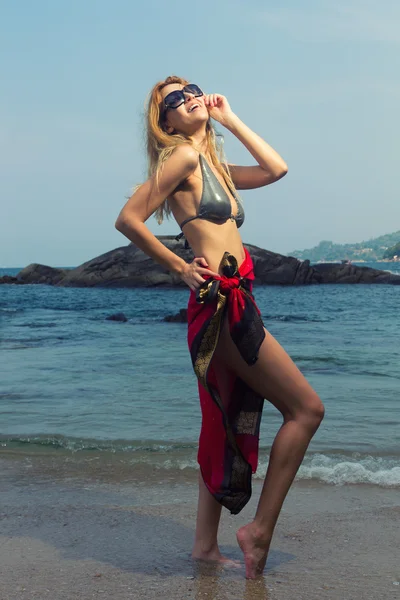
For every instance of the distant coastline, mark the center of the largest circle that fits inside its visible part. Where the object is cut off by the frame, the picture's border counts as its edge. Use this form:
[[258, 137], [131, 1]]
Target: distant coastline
[[396, 259], [384, 248]]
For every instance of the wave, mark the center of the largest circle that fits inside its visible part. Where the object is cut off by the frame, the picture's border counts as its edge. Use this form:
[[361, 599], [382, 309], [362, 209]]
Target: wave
[[392, 272], [34, 325], [335, 468], [37, 442], [295, 319], [351, 366], [38, 341], [378, 374], [327, 469], [320, 359], [340, 470]]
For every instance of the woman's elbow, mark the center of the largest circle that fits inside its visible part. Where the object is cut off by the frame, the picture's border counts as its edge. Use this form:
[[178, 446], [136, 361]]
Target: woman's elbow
[[284, 169], [124, 222], [119, 222], [281, 172]]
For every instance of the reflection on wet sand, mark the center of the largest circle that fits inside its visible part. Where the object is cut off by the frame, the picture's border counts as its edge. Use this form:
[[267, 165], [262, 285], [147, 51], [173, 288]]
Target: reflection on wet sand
[[216, 582]]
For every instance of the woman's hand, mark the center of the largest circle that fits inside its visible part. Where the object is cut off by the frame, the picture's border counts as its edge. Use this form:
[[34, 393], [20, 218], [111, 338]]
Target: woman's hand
[[218, 107], [192, 274]]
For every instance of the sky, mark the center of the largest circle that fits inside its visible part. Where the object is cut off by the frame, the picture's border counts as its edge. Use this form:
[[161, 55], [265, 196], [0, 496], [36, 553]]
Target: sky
[[318, 80]]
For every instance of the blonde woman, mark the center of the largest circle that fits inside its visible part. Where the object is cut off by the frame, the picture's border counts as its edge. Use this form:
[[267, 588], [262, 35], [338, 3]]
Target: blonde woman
[[238, 363]]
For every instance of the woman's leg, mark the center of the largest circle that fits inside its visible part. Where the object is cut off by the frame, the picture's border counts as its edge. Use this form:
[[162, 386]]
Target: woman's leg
[[276, 378], [209, 509], [208, 516]]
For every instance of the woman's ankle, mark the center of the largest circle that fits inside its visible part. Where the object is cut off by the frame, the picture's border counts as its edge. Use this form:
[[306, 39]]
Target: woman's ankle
[[260, 530], [205, 548]]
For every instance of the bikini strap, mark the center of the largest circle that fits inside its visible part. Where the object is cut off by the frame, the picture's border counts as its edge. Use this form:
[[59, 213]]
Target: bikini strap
[[181, 235], [189, 219]]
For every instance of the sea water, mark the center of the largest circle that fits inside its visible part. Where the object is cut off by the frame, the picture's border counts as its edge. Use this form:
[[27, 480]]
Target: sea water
[[75, 383]]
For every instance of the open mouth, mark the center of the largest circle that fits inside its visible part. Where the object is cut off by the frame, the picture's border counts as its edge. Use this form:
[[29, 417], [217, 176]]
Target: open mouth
[[193, 107]]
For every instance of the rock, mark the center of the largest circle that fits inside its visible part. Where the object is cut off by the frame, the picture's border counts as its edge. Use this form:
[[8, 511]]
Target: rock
[[117, 317], [349, 273], [36, 273], [181, 317], [9, 279], [128, 266], [304, 273]]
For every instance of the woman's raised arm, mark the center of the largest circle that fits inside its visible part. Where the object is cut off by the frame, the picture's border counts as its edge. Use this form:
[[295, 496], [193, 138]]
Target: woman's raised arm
[[271, 166]]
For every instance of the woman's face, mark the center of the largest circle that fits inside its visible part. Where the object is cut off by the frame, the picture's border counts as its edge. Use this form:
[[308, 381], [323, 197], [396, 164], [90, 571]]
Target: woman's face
[[189, 116]]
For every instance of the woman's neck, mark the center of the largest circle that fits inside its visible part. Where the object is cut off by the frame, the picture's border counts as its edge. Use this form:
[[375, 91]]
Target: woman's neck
[[199, 140]]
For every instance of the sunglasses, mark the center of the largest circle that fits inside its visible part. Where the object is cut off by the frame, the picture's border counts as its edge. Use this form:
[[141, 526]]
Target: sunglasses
[[177, 98]]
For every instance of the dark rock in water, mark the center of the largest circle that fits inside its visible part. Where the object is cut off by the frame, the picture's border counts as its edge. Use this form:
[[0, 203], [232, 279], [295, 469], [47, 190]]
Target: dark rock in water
[[349, 273], [117, 317], [9, 279], [181, 317], [128, 266], [35, 273], [272, 268]]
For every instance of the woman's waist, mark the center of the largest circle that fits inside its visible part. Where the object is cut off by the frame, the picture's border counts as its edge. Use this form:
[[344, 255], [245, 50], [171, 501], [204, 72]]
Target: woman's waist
[[212, 247]]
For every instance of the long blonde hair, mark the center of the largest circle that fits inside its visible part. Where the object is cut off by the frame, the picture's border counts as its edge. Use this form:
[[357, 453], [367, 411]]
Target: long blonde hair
[[161, 144]]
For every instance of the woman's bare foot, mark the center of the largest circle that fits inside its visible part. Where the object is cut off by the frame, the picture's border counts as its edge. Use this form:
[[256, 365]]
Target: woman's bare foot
[[214, 556], [254, 546]]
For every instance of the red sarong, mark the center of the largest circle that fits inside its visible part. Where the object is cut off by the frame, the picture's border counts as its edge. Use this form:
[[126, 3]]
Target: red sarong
[[228, 443]]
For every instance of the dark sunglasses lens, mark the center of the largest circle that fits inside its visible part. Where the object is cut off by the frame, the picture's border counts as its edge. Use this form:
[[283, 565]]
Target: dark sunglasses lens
[[194, 89], [174, 99]]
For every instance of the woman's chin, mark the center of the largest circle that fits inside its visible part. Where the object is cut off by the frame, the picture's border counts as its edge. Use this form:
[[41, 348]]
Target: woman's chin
[[199, 118]]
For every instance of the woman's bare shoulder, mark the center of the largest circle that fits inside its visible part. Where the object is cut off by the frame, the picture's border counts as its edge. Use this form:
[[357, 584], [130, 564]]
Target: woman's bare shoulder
[[186, 155]]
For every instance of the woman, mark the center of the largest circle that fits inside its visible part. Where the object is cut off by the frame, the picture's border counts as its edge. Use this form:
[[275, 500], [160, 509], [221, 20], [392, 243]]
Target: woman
[[237, 361]]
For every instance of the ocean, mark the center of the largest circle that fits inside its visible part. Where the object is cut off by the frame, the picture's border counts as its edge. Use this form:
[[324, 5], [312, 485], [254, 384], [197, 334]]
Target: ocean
[[77, 387]]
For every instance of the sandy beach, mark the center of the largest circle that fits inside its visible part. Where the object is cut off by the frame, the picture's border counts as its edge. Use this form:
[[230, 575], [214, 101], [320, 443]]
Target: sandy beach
[[80, 529]]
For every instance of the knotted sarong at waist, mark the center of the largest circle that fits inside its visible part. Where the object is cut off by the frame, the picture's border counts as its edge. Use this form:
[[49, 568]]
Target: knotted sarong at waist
[[228, 444]]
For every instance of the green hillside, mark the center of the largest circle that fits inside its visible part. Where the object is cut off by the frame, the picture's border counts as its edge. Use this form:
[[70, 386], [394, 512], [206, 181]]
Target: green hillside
[[374, 249], [393, 251]]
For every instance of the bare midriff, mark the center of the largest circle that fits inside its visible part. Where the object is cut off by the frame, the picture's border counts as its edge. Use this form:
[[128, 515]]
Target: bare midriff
[[206, 238]]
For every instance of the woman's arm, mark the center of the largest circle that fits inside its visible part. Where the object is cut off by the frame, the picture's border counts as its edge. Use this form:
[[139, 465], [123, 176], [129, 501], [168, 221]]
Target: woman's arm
[[142, 204], [271, 166]]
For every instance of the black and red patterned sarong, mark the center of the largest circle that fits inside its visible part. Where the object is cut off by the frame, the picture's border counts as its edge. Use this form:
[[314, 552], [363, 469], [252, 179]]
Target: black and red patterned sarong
[[229, 437]]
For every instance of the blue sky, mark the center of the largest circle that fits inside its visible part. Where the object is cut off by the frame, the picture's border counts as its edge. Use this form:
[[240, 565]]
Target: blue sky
[[319, 81]]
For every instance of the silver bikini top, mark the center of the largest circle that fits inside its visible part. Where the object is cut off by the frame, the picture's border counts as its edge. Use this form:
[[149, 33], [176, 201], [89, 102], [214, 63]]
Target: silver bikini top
[[215, 204]]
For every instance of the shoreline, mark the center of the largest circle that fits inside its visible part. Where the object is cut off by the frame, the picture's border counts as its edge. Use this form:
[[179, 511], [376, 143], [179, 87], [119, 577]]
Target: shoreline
[[66, 536], [332, 467]]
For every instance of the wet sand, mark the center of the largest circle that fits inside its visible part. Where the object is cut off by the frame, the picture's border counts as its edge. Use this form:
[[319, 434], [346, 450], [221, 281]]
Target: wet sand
[[82, 530]]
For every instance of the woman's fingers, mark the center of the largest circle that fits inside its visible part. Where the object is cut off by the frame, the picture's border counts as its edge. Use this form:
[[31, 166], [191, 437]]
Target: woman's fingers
[[204, 269], [214, 100], [201, 259], [208, 272], [196, 269], [211, 100]]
